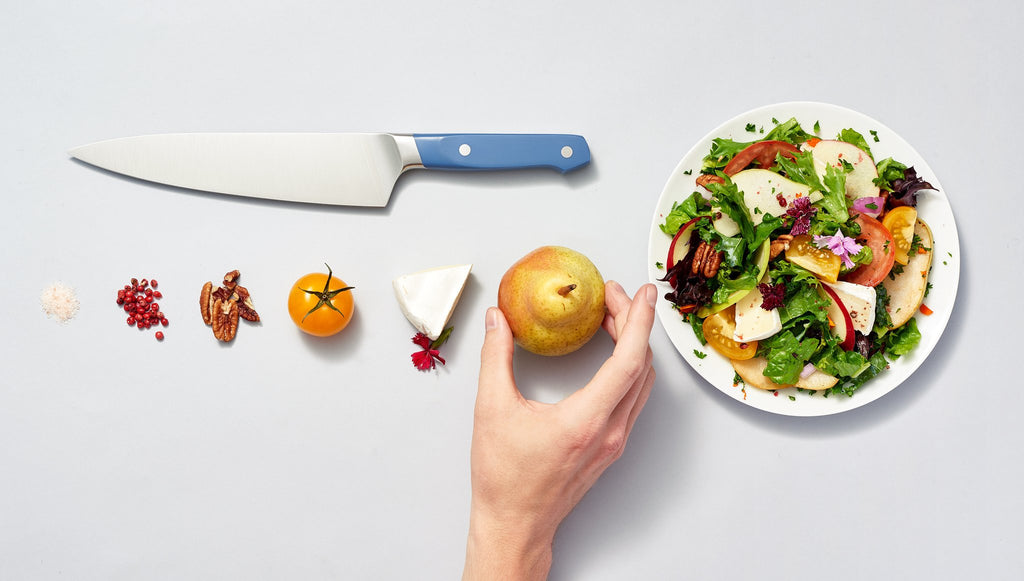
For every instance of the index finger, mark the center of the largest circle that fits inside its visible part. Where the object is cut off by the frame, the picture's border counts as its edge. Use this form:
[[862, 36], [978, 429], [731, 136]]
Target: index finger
[[628, 362]]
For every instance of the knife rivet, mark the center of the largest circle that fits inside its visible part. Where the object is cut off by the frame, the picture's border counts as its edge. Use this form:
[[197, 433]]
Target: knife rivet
[[566, 152], [464, 149]]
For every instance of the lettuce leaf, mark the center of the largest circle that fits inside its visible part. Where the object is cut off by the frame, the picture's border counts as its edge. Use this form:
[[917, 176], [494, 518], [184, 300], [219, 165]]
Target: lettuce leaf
[[733, 250], [876, 364], [902, 340], [763, 231], [833, 198], [854, 138], [728, 198], [835, 361], [787, 356], [889, 170], [727, 284], [789, 131], [801, 170], [805, 300], [724, 149], [722, 152], [683, 212]]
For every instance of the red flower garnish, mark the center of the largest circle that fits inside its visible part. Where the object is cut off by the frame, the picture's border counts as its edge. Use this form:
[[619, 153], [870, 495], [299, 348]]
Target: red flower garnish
[[772, 295], [801, 211], [427, 359]]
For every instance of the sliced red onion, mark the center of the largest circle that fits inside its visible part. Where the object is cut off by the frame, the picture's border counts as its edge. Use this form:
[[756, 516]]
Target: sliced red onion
[[863, 205], [808, 369]]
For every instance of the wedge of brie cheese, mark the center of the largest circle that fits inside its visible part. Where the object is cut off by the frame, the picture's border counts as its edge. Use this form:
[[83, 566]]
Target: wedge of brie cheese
[[428, 297], [859, 301], [752, 322]]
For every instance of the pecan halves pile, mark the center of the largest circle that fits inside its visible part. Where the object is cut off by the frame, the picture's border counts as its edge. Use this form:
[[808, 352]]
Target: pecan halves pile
[[779, 245], [706, 260], [222, 306], [705, 180], [224, 319]]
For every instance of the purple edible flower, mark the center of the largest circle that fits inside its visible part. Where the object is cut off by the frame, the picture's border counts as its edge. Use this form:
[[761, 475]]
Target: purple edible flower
[[842, 246], [801, 211], [771, 295]]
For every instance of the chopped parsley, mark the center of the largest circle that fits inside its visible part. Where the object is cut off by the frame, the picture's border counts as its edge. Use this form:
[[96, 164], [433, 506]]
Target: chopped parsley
[[751, 128], [699, 354], [916, 245]]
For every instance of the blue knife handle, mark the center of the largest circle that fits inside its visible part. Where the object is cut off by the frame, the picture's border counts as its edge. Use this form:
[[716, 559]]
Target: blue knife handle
[[483, 151]]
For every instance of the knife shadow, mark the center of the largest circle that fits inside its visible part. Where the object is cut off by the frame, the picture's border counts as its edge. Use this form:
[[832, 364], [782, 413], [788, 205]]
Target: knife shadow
[[518, 178], [504, 179]]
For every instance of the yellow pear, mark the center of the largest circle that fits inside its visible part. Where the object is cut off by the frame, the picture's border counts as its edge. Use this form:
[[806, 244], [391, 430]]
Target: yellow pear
[[553, 299]]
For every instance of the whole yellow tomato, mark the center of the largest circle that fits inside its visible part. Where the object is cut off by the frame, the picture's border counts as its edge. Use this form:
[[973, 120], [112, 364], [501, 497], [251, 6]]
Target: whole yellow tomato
[[321, 304]]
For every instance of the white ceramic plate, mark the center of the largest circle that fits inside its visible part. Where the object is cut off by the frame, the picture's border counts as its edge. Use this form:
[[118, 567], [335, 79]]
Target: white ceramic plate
[[933, 208]]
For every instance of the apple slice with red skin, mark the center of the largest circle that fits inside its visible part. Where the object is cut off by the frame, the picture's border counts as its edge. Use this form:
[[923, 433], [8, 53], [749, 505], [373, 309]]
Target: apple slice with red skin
[[840, 318], [680, 245]]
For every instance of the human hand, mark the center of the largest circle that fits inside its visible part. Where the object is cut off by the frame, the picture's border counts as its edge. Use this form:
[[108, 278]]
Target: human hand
[[532, 462]]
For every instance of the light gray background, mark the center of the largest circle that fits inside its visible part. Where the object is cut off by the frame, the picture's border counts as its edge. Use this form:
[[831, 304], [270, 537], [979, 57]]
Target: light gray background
[[283, 457]]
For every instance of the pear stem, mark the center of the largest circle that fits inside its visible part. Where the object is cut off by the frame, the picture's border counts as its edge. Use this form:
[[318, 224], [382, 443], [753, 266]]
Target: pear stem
[[565, 290]]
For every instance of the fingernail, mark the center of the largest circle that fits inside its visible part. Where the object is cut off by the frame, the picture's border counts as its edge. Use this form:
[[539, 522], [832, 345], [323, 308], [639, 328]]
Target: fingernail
[[651, 294], [491, 321]]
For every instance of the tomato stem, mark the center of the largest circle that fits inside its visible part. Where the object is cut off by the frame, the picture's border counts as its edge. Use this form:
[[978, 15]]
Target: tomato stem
[[326, 296]]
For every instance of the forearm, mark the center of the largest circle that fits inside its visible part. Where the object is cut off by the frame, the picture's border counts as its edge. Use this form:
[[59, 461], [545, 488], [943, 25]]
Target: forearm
[[502, 550]]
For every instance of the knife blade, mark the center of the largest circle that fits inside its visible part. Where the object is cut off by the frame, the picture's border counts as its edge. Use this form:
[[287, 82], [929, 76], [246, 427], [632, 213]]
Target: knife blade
[[357, 169]]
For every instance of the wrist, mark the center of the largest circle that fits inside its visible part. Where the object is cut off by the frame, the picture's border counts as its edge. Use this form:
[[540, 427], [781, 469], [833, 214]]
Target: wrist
[[505, 549]]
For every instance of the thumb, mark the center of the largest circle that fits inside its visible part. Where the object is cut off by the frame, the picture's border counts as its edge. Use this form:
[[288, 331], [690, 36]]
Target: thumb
[[496, 380]]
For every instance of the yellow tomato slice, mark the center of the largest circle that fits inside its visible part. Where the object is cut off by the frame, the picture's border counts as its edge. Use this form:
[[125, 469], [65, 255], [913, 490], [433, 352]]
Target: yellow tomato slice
[[718, 329], [900, 222], [821, 261]]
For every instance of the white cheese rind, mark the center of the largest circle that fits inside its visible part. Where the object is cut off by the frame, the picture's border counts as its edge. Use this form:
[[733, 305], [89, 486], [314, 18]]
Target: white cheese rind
[[428, 297], [859, 301], [752, 322]]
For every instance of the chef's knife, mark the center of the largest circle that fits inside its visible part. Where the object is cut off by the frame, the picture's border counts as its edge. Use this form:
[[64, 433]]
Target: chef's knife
[[356, 169]]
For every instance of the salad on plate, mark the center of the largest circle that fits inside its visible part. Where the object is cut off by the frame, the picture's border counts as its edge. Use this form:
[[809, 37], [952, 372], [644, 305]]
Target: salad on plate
[[800, 257]]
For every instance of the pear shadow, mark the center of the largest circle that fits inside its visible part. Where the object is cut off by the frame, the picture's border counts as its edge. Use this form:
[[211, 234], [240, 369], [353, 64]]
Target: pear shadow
[[630, 497], [552, 379], [657, 466]]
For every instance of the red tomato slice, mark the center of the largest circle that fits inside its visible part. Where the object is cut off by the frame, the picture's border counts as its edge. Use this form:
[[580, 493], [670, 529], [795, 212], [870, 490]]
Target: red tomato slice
[[883, 247], [762, 152]]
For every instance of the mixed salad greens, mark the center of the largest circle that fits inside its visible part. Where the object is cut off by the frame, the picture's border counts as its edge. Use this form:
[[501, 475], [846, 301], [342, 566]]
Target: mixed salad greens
[[801, 259]]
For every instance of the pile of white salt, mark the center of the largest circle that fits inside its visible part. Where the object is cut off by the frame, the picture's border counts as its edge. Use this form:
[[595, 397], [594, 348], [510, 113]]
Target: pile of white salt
[[59, 302]]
